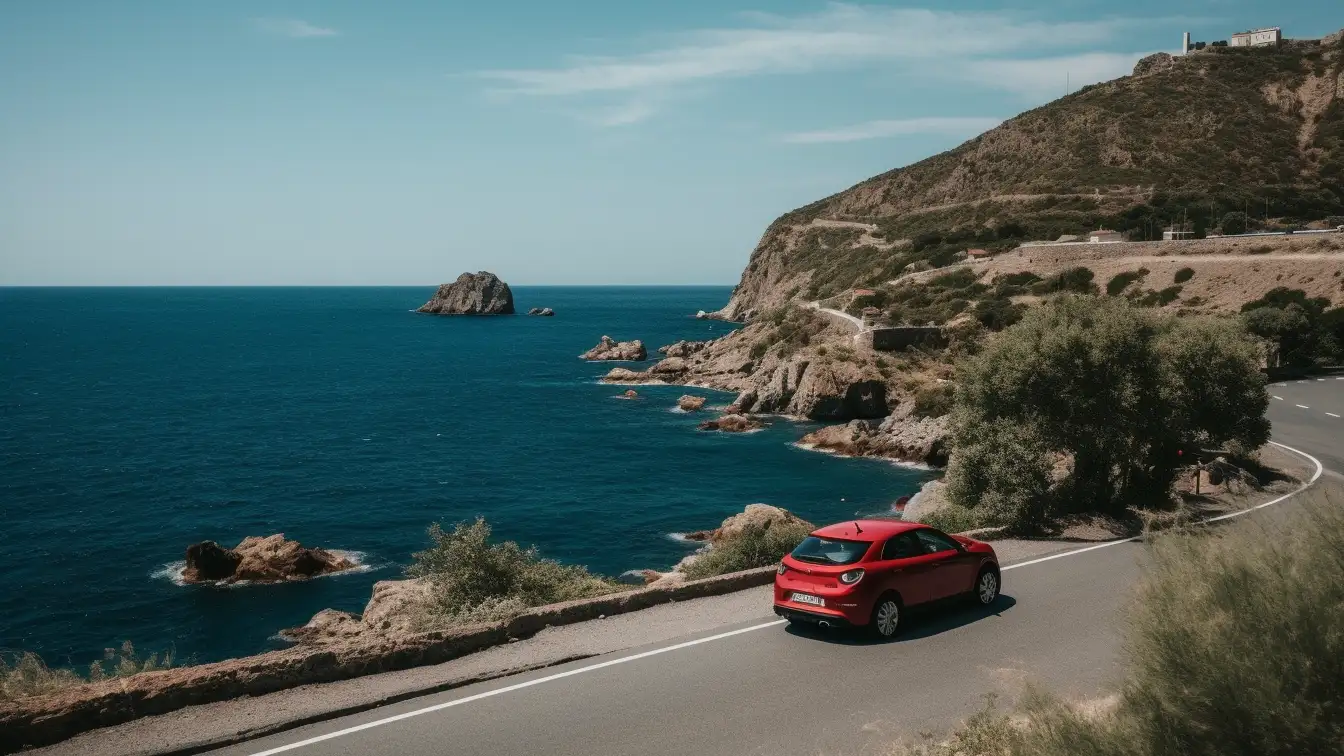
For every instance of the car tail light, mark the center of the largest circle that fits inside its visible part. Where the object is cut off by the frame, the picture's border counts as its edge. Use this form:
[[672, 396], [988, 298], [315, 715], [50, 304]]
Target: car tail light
[[851, 577], [782, 569]]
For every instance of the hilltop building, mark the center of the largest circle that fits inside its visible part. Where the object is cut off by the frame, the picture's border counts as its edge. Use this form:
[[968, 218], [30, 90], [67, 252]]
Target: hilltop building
[[1258, 37]]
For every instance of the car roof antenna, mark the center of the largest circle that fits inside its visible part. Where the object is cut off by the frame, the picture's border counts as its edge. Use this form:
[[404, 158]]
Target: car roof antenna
[[857, 529]]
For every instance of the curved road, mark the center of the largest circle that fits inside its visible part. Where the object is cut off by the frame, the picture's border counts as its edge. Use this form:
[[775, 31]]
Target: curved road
[[758, 688]]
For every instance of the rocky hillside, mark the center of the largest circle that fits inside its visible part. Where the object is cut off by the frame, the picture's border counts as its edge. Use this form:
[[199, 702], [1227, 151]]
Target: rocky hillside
[[1182, 139]]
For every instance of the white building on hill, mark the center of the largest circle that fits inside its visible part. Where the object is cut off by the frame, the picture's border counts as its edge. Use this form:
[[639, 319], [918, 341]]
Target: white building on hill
[[1257, 37]]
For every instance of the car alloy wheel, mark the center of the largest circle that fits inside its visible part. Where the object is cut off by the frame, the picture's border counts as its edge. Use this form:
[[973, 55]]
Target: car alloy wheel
[[987, 587], [887, 618]]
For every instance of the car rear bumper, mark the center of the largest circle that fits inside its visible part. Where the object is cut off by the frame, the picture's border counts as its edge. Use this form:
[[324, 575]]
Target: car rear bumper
[[816, 618]]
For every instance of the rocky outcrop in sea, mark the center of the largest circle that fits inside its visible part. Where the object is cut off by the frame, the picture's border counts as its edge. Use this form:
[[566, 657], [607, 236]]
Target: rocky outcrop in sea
[[260, 560], [732, 423], [683, 348], [901, 437], [544, 312], [689, 403], [611, 350], [471, 294]]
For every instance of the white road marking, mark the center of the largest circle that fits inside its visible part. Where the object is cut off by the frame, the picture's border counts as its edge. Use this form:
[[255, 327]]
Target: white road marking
[[1320, 380], [729, 634], [1303, 406], [1331, 414], [1279, 398], [511, 688]]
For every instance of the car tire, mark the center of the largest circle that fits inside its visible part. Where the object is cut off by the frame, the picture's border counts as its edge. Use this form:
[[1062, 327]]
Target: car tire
[[987, 586], [888, 616]]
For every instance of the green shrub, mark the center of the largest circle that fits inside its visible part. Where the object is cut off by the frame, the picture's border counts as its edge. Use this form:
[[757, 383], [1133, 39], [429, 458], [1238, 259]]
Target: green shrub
[[1234, 223], [1121, 281], [934, 400], [1112, 387], [953, 518], [472, 579], [756, 546], [998, 314], [1078, 279], [1183, 275], [1161, 298], [25, 674]]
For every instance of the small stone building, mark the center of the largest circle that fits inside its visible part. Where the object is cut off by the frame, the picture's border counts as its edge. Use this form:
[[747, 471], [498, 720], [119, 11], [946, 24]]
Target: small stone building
[[1105, 235], [1257, 37]]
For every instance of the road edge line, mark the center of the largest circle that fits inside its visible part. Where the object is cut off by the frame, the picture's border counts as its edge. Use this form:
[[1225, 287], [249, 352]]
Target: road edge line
[[511, 688], [1308, 484]]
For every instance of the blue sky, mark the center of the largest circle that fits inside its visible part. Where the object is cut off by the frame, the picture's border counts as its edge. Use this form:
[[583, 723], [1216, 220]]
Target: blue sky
[[552, 143]]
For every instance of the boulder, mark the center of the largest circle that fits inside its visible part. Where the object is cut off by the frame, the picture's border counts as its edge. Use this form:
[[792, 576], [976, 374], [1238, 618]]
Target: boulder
[[545, 312], [207, 561], [683, 348], [670, 367], [931, 498], [756, 516], [732, 424], [626, 375], [904, 438], [263, 560], [631, 394], [471, 294], [394, 610], [608, 349], [689, 403]]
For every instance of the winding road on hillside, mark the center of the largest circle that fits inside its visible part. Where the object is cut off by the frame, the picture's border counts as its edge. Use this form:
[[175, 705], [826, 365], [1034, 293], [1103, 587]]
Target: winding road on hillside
[[756, 687]]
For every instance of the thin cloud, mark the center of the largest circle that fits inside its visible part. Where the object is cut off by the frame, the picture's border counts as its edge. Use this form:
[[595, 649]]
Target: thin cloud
[[843, 36], [293, 28], [894, 128]]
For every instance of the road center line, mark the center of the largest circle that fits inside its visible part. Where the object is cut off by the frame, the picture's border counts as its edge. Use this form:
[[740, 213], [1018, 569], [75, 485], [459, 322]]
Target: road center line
[[729, 634], [1331, 414], [1303, 406], [1279, 398]]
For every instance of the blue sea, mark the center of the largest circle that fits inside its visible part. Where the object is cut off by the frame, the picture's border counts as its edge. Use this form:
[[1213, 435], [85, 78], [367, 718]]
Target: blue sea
[[134, 422]]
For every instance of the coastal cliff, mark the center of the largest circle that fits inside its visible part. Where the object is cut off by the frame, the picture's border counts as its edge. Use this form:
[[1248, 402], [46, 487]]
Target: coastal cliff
[[1187, 138]]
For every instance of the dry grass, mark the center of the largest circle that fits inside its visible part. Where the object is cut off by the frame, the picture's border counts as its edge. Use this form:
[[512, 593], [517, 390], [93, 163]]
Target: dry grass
[[1234, 647], [26, 674]]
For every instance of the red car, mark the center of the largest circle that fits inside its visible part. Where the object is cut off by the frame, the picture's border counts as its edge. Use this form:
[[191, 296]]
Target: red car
[[867, 573]]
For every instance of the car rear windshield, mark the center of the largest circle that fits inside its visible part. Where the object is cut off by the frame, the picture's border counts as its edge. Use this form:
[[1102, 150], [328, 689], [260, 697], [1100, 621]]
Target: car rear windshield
[[830, 550]]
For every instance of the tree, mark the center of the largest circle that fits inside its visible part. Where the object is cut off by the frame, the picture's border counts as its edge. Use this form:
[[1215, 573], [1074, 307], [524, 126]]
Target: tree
[[1081, 373], [1212, 389], [1109, 389], [1234, 223], [1294, 327]]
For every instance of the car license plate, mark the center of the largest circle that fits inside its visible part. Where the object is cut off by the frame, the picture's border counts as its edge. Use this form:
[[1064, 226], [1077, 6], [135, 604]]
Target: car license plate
[[805, 598]]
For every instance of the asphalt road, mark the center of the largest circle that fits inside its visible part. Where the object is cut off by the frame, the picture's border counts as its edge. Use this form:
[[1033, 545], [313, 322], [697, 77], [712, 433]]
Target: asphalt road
[[757, 687]]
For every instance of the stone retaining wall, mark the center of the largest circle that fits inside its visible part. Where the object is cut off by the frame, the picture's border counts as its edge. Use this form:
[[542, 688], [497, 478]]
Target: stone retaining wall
[[49, 719]]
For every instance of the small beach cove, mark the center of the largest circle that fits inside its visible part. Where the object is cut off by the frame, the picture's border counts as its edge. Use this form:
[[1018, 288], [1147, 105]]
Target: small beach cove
[[342, 420]]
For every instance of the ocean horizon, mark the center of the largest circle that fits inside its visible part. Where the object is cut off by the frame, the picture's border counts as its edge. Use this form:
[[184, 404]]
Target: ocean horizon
[[139, 420]]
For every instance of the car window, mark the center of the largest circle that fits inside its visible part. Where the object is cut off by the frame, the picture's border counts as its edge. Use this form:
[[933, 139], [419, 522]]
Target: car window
[[935, 542], [902, 546], [830, 550]]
